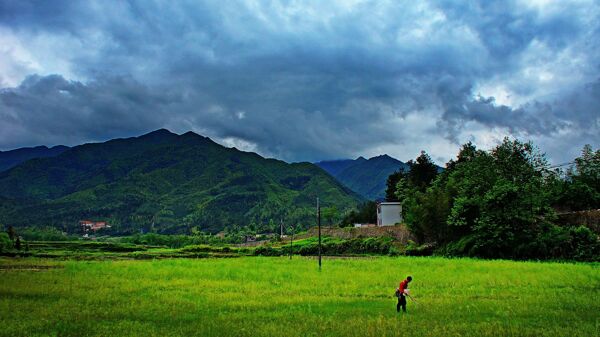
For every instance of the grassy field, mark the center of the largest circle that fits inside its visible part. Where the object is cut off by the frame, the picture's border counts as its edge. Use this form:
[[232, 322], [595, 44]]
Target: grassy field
[[262, 296]]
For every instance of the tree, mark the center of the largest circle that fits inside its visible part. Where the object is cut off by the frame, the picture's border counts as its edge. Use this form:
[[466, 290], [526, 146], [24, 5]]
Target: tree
[[497, 204], [580, 190], [467, 152], [330, 214], [422, 171], [392, 181], [12, 234], [423, 213], [403, 190], [366, 213], [499, 200], [5, 242]]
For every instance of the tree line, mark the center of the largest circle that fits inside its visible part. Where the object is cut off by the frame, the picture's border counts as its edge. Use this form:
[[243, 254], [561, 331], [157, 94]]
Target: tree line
[[501, 203]]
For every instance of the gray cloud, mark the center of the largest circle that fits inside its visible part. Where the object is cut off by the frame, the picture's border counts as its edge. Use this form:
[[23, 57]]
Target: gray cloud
[[577, 110], [51, 109], [307, 82]]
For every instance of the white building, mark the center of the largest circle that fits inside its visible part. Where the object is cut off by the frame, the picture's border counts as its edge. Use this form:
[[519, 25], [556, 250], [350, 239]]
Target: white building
[[389, 213]]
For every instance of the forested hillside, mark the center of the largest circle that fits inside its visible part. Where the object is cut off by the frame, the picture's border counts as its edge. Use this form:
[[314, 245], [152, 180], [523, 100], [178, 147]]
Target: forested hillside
[[168, 183]]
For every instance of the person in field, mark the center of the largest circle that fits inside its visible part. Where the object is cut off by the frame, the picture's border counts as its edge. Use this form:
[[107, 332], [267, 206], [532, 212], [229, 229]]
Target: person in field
[[402, 292]]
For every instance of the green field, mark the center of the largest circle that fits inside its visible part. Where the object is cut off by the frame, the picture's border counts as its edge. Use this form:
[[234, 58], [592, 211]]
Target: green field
[[263, 296]]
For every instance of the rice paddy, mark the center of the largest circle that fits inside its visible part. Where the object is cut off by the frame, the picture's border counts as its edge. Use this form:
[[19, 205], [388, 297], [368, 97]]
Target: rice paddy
[[275, 296]]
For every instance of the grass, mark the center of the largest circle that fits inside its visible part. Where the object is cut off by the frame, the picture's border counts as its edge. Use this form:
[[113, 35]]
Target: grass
[[261, 296]]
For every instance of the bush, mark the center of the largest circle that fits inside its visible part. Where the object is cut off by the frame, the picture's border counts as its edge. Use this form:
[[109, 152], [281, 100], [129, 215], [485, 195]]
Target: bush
[[462, 247], [267, 251], [426, 249], [205, 248], [5, 242], [395, 251], [45, 234], [344, 247], [585, 244]]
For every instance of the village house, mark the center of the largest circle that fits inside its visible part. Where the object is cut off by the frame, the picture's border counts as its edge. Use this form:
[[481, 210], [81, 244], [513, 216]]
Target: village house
[[389, 213], [93, 226]]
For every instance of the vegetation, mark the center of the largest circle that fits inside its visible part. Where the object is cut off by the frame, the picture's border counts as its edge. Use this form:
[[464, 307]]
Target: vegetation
[[579, 189], [165, 183], [187, 246], [173, 241], [366, 213], [418, 176], [281, 297], [498, 204], [6, 243], [333, 247], [45, 234]]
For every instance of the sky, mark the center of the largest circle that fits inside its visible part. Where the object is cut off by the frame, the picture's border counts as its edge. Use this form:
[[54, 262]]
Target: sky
[[304, 80]]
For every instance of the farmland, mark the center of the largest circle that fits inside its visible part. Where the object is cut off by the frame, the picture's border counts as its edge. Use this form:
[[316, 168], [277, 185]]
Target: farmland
[[275, 296]]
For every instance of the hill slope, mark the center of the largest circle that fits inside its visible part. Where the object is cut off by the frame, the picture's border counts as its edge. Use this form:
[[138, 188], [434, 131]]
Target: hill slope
[[12, 158], [334, 167], [365, 177], [167, 182]]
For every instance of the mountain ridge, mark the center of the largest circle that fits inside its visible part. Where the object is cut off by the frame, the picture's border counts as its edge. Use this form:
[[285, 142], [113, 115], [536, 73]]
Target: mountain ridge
[[168, 182], [367, 177], [12, 158]]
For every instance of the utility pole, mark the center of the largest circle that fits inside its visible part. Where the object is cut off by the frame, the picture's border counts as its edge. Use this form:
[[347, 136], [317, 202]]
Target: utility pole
[[291, 240], [319, 224]]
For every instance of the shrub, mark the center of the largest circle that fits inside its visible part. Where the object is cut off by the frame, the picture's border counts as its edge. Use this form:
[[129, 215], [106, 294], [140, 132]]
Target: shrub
[[267, 251], [5, 242], [426, 249], [586, 244]]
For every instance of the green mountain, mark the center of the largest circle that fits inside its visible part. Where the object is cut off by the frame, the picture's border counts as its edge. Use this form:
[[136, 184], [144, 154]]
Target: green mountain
[[12, 158], [365, 177], [166, 182], [334, 167]]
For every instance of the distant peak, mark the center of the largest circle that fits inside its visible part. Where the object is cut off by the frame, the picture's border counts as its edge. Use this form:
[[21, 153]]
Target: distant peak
[[159, 132], [191, 134], [361, 158], [381, 156], [57, 147]]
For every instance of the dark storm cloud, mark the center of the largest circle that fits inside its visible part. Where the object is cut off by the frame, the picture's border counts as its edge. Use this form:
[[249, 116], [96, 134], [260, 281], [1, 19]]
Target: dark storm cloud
[[324, 80], [577, 110], [51, 109]]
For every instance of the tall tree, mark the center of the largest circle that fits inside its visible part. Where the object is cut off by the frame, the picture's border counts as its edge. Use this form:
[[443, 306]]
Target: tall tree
[[585, 180], [500, 201], [392, 181], [422, 171]]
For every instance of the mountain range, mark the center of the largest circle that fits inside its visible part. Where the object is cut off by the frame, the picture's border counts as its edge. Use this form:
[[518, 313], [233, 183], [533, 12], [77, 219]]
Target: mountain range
[[165, 182], [12, 158], [367, 177]]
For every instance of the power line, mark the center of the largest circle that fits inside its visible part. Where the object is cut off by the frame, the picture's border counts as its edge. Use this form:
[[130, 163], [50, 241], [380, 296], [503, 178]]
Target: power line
[[561, 165], [581, 160]]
